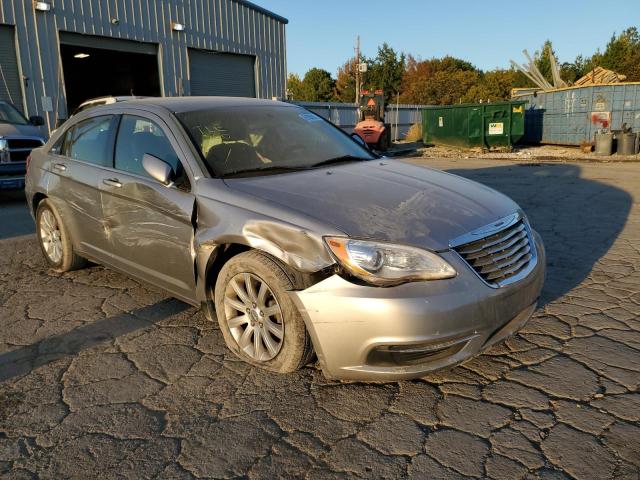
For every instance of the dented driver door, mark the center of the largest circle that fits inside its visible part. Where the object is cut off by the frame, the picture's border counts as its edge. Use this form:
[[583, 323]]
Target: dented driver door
[[149, 225]]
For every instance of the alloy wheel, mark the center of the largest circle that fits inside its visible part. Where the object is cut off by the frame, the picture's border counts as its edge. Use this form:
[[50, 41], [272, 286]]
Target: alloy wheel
[[50, 236], [254, 316]]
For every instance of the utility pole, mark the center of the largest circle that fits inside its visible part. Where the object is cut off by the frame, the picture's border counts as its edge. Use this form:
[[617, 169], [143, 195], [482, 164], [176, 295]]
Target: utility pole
[[358, 70]]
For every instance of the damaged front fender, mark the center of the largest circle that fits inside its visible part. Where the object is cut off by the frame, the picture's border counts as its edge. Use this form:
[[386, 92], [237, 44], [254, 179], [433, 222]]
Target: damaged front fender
[[294, 243]]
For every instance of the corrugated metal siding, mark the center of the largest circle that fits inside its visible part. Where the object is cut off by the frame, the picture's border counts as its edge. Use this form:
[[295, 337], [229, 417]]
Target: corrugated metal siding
[[345, 115], [226, 74], [401, 117], [233, 26], [564, 116], [9, 75]]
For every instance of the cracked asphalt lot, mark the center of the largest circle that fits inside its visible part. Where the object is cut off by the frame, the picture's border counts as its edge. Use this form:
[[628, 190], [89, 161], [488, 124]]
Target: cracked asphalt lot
[[102, 376]]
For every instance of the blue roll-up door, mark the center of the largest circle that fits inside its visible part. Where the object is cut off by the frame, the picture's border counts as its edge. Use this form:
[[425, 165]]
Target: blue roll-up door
[[222, 74], [10, 90]]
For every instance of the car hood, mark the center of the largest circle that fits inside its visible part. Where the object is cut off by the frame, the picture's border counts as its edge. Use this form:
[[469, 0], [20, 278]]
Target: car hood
[[385, 200], [13, 130]]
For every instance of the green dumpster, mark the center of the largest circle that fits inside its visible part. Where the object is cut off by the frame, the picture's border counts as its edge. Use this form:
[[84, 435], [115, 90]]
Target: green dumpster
[[486, 125]]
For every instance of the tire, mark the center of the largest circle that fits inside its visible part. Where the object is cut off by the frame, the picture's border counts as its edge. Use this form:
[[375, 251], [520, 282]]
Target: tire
[[55, 240], [385, 141], [274, 312]]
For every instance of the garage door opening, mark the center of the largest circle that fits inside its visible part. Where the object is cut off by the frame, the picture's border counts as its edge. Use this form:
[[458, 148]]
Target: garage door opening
[[95, 72]]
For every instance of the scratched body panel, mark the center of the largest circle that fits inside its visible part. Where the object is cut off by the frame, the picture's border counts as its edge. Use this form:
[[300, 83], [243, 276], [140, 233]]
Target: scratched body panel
[[149, 231]]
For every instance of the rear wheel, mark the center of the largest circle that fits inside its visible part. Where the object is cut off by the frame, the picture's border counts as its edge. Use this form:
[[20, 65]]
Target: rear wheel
[[258, 320], [55, 240]]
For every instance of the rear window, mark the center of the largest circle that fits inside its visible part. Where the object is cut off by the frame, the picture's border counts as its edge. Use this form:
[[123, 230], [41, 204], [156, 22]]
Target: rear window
[[89, 141]]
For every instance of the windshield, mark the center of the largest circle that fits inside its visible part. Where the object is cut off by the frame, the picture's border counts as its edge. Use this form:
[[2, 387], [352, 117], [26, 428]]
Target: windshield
[[9, 114], [262, 139]]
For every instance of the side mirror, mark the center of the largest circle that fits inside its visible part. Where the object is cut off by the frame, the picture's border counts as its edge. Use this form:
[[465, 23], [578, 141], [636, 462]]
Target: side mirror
[[358, 139], [36, 120], [157, 169]]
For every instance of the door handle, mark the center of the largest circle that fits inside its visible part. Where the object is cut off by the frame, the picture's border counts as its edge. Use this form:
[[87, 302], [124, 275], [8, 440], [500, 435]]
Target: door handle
[[112, 182], [61, 167]]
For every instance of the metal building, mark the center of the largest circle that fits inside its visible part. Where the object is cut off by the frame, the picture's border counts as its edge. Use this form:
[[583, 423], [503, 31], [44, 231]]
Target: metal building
[[571, 116], [54, 54]]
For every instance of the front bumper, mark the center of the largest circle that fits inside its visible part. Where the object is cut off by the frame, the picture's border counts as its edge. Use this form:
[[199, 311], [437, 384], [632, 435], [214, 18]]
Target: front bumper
[[12, 174], [371, 333]]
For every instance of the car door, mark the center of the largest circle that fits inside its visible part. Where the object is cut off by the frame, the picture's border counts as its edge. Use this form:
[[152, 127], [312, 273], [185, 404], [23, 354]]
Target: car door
[[150, 225], [75, 162]]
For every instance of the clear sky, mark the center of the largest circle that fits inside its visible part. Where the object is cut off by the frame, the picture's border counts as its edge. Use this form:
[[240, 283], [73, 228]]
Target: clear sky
[[485, 32]]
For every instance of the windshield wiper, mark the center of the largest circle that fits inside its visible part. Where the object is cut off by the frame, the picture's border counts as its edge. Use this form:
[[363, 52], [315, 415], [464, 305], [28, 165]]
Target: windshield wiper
[[270, 169], [273, 169], [341, 159]]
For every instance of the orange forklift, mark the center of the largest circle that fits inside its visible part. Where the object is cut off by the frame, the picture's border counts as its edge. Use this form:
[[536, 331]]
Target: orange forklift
[[371, 127]]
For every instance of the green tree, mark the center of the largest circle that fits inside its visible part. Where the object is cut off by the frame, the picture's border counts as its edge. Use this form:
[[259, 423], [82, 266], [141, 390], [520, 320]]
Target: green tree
[[437, 81], [572, 71], [316, 86], [622, 54], [346, 82], [496, 85], [385, 71], [447, 88], [295, 90], [542, 60]]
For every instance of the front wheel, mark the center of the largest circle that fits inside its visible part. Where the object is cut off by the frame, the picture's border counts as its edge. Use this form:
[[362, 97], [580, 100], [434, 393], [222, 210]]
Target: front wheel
[[258, 320]]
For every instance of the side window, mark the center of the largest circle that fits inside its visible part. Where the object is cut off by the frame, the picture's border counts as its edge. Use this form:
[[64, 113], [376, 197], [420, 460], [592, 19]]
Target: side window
[[138, 136], [89, 141], [57, 148]]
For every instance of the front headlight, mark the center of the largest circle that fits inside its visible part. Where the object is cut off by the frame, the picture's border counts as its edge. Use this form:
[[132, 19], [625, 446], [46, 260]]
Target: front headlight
[[385, 264]]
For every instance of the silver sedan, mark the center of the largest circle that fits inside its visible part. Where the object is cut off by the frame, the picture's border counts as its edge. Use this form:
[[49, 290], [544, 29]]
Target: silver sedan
[[293, 236]]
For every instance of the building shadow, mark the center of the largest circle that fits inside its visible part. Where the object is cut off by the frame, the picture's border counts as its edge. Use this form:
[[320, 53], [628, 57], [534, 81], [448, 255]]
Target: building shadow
[[23, 360], [579, 219], [15, 219]]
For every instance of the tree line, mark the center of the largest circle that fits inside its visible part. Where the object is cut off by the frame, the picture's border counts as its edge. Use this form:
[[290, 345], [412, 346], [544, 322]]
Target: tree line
[[449, 80]]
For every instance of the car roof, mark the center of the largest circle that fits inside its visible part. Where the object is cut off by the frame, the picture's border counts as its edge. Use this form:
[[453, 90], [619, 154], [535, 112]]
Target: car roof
[[106, 98], [189, 104]]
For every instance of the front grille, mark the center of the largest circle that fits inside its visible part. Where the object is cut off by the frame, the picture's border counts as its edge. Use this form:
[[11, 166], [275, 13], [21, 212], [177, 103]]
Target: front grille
[[20, 148], [503, 257], [18, 155], [23, 143]]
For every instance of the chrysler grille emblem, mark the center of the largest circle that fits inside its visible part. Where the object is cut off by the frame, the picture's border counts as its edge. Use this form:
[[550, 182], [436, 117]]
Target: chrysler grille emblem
[[489, 229]]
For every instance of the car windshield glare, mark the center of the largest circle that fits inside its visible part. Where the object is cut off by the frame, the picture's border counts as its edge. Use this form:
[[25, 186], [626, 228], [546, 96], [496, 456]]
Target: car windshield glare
[[267, 139], [9, 114]]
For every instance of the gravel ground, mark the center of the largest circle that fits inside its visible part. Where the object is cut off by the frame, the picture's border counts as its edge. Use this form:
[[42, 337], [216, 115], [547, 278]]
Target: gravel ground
[[101, 376], [523, 153]]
